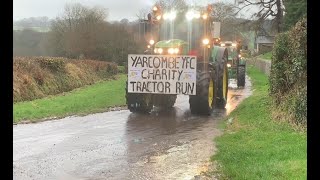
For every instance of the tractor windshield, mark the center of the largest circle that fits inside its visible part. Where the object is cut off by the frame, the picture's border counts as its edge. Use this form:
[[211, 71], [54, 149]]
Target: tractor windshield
[[189, 27], [193, 27], [188, 31]]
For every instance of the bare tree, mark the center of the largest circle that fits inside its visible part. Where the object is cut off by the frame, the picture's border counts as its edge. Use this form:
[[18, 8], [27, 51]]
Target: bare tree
[[142, 14], [267, 8], [168, 5], [79, 31], [223, 11], [226, 14]]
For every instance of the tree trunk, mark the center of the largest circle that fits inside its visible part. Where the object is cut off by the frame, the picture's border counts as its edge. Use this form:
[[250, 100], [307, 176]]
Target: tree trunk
[[279, 17]]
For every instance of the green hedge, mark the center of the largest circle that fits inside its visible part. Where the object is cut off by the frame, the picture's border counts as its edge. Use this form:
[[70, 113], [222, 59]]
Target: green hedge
[[38, 77], [288, 76]]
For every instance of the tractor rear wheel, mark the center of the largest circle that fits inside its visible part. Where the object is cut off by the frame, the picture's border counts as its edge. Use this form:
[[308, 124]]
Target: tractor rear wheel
[[138, 102], [241, 79], [202, 102]]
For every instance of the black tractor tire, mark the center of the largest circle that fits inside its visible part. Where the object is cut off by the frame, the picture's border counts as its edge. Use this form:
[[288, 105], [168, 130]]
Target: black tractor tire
[[138, 102], [199, 103], [165, 101], [241, 76], [221, 81]]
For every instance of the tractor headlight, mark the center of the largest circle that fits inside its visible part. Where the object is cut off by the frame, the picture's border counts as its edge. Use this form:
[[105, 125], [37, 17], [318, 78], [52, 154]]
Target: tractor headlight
[[176, 50], [205, 41], [222, 44], [204, 16], [170, 50], [151, 42], [189, 15], [160, 50], [155, 8], [228, 65], [171, 16], [239, 55], [192, 14], [158, 17], [234, 44]]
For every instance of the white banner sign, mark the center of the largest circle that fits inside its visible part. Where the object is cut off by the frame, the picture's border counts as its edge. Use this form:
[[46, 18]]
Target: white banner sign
[[162, 74]]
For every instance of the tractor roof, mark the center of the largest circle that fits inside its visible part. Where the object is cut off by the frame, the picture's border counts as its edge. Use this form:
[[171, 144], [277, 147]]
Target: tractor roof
[[170, 43]]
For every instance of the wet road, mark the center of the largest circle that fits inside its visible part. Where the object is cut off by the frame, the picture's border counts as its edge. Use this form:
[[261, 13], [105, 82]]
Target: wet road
[[121, 145]]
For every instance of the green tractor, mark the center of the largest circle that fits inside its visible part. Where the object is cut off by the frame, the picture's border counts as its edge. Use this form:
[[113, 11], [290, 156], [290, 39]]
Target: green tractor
[[211, 77], [236, 63]]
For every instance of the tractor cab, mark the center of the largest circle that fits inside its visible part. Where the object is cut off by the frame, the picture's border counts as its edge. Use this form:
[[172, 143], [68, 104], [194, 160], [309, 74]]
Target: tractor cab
[[233, 54]]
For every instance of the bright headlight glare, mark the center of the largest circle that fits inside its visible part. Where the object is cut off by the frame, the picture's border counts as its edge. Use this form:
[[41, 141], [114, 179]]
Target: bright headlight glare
[[149, 46], [151, 41], [189, 15], [223, 44], [204, 16], [155, 8], [234, 44], [166, 16], [172, 15], [176, 50], [160, 50], [155, 50], [239, 55], [170, 50], [197, 15], [158, 17], [205, 41], [229, 65]]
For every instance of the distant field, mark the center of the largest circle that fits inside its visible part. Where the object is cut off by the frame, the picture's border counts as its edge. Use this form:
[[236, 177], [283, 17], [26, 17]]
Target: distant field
[[39, 29]]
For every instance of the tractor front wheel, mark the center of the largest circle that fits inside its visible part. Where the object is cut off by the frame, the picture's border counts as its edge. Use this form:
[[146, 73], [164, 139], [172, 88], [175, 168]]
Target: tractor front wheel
[[202, 102], [138, 102]]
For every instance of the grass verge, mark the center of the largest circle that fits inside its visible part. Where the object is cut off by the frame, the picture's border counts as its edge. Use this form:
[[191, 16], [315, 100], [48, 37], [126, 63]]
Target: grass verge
[[254, 146], [94, 98], [266, 56]]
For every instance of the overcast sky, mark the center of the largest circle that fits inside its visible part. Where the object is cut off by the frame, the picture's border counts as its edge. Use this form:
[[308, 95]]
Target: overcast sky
[[117, 9]]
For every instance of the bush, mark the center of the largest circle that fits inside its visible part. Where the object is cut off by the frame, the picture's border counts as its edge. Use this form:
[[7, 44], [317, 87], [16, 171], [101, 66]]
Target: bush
[[121, 69], [112, 69], [300, 106], [53, 64], [288, 76]]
